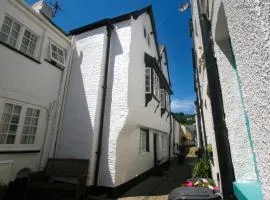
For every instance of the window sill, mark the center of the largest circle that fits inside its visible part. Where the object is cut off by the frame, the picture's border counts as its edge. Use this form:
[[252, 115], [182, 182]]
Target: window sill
[[19, 151], [19, 52], [247, 191], [54, 64]]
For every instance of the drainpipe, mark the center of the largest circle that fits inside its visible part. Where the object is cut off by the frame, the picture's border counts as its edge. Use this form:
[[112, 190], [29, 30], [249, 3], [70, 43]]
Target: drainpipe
[[220, 129], [196, 82], [170, 133], [62, 99], [109, 29]]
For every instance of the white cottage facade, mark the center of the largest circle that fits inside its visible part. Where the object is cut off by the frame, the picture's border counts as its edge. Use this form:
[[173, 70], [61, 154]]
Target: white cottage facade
[[117, 106], [34, 61]]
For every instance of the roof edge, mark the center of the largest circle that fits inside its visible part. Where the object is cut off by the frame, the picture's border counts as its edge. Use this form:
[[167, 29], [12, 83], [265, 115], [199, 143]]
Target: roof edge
[[108, 21]]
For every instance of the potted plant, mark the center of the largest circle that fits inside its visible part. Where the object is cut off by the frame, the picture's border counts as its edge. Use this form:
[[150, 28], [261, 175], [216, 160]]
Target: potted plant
[[210, 150]]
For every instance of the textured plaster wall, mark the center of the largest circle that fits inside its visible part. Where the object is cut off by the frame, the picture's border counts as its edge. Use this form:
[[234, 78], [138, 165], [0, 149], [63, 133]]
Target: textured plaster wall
[[235, 121], [82, 106], [205, 103], [248, 23], [26, 82], [116, 105]]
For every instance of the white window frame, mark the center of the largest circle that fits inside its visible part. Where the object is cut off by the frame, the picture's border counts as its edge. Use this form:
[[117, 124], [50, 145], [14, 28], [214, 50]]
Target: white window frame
[[21, 39], [39, 132], [150, 80], [168, 104], [58, 48], [164, 142], [23, 28], [144, 147], [156, 87], [9, 35], [162, 98]]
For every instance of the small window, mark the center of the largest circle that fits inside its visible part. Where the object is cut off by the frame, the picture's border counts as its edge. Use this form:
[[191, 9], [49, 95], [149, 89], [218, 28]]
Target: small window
[[144, 32], [164, 142], [9, 123], [162, 98], [30, 126], [147, 80], [57, 54], [29, 43], [10, 31], [167, 101], [156, 85], [144, 140], [148, 39]]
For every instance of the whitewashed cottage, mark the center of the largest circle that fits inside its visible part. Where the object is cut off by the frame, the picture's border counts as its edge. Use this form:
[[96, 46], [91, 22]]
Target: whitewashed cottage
[[34, 61], [117, 106]]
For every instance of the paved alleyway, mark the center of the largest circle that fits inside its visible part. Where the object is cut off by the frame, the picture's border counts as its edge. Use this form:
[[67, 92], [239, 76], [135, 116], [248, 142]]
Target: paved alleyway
[[158, 187]]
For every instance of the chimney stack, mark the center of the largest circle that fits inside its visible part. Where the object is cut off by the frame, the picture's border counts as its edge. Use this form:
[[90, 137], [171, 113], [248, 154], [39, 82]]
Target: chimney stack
[[44, 8]]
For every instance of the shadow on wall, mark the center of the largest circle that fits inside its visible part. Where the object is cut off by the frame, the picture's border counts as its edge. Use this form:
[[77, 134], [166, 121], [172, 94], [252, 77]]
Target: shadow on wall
[[222, 35], [110, 137], [77, 129]]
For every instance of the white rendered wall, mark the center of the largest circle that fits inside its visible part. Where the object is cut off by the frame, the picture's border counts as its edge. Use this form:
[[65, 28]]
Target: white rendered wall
[[205, 104], [248, 24], [82, 107], [26, 82]]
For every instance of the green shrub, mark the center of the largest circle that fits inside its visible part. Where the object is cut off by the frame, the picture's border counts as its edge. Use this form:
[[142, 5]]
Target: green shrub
[[3, 190], [202, 169]]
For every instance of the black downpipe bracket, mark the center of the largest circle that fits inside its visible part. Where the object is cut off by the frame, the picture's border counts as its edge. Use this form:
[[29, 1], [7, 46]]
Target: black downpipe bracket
[[220, 129], [109, 28]]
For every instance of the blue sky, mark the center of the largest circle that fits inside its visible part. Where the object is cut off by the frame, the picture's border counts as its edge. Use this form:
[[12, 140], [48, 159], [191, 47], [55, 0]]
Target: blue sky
[[172, 30]]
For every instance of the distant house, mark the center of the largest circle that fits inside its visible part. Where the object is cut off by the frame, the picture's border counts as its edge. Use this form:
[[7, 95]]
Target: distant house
[[117, 108], [34, 61]]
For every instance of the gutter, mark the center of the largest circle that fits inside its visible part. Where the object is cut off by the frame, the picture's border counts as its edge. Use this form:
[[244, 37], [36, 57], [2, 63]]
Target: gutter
[[65, 85], [109, 28]]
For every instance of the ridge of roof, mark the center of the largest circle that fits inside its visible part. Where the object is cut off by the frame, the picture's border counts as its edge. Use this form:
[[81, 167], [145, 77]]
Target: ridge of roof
[[108, 21]]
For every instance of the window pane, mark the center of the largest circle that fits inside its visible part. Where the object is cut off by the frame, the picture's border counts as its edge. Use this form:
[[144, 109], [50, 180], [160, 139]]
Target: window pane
[[7, 20], [12, 128], [29, 111], [35, 113], [17, 109], [3, 128], [31, 140], [27, 121], [14, 34], [5, 29], [26, 130], [23, 48], [12, 42], [33, 131], [24, 139], [3, 37], [34, 122], [16, 27], [10, 139], [5, 117], [54, 55], [15, 119], [8, 108], [3, 138], [25, 42]]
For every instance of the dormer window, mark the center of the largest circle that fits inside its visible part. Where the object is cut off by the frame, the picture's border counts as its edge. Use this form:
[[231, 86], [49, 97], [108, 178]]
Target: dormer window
[[57, 54]]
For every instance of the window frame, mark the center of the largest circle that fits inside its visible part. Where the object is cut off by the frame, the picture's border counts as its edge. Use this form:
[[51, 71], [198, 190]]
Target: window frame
[[144, 145], [162, 98], [150, 80], [156, 85], [19, 40], [17, 146], [58, 48], [19, 33], [27, 48]]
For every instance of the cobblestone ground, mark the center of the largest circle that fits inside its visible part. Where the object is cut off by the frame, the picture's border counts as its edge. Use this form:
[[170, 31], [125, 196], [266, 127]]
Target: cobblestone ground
[[158, 187]]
